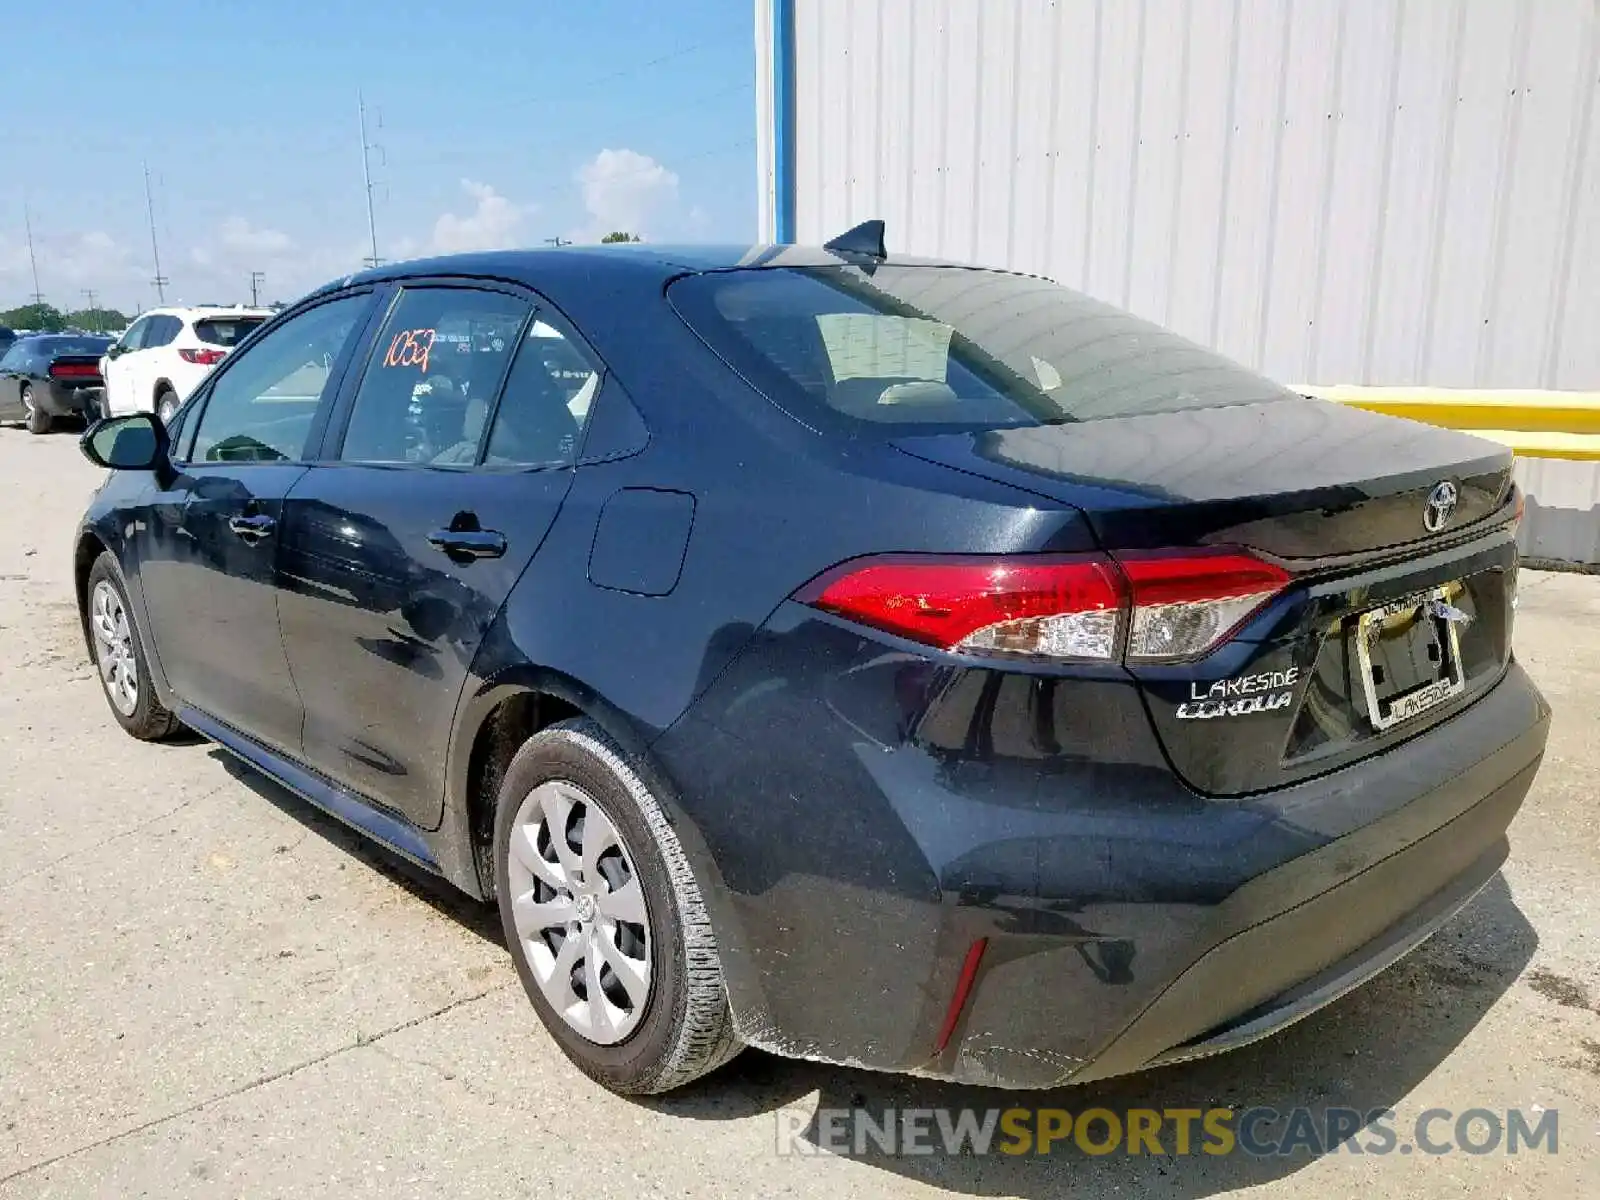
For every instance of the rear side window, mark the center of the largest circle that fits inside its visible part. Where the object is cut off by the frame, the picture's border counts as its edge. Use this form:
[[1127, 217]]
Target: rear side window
[[545, 402], [915, 348], [428, 390], [225, 331], [160, 332]]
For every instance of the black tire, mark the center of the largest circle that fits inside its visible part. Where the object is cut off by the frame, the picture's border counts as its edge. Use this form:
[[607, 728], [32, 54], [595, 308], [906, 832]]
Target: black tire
[[38, 420], [166, 404], [149, 720], [686, 1030]]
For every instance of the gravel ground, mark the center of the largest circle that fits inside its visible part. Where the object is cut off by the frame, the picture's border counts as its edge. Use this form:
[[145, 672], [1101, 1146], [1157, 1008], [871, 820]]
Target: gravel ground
[[208, 989]]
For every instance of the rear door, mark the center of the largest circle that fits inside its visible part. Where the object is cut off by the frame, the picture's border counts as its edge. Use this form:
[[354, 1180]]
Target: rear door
[[447, 462], [209, 547]]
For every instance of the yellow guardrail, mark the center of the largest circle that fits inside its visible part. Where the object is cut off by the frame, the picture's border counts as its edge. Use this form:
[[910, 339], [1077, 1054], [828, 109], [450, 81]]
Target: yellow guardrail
[[1535, 424]]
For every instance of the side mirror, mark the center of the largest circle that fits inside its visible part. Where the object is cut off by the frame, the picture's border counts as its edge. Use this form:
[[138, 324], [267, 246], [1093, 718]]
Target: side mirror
[[133, 443], [114, 349]]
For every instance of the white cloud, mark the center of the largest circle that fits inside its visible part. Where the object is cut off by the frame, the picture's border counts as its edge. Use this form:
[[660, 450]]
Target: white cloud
[[68, 264], [238, 235], [626, 190], [495, 223]]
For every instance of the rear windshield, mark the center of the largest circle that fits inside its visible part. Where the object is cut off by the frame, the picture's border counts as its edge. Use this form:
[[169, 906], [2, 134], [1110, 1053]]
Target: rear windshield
[[913, 347], [225, 331], [55, 347]]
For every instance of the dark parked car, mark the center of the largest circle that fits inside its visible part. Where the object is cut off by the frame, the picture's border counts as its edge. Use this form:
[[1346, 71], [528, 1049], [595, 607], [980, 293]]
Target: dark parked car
[[48, 375], [897, 663]]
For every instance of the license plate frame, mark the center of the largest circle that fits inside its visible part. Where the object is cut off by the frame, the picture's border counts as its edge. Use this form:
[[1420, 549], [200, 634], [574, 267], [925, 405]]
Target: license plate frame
[[1387, 712]]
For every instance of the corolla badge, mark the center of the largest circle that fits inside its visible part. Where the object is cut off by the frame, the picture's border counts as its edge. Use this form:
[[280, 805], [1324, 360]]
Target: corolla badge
[[1441, 503], [1240, 696]]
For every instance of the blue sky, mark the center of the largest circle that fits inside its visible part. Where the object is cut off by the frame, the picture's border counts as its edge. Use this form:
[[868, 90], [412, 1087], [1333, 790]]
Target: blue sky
[[503, 122]]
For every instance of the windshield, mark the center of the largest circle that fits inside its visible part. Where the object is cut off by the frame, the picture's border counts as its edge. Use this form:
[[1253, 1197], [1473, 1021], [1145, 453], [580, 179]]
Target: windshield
[[908, 348]]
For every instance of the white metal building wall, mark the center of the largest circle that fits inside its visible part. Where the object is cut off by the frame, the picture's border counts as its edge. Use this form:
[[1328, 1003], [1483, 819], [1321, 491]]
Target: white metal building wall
[[1382, 191]]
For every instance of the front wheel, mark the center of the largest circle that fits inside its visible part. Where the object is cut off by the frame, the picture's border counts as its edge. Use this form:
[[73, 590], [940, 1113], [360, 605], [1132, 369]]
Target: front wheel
[[38, 420], [120, 658], [604, 918]]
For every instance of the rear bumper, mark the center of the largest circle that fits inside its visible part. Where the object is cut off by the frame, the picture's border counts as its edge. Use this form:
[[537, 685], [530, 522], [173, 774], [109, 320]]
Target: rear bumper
[[859, 839], [61, 401]]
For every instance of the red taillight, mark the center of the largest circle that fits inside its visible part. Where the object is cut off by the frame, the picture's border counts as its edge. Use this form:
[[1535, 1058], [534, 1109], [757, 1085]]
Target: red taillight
[[1185, 603], [204, 358], [1046, 605], [74, 371], [1071, 608]]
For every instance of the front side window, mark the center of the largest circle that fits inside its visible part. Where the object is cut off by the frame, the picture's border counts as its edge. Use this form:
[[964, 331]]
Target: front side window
[[13, 357], [897, 350], [262, 406], [430, 383], [134, 338]]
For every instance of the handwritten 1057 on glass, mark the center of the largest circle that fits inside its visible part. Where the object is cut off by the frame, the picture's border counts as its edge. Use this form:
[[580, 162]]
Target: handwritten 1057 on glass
[[410, 348]]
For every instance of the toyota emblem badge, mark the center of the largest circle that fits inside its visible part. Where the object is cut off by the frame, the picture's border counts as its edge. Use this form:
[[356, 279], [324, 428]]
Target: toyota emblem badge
[[1441, 503]]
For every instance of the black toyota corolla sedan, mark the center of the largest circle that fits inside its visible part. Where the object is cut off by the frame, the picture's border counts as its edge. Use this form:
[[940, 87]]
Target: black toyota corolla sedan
[[884, 661]]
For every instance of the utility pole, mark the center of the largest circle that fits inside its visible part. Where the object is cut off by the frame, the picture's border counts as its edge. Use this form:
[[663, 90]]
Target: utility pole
[[158, 279], [27, 222], [372, 259], [94, 312], [255, 282], [558, 241]]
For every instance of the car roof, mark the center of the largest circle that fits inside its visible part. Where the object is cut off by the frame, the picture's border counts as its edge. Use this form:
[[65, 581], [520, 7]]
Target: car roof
[[553, 264], [206, 310]]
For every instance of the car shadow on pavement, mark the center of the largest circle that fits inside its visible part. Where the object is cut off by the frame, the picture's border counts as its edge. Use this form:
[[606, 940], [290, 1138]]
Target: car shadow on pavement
[[472, 915], [1365, 1052]]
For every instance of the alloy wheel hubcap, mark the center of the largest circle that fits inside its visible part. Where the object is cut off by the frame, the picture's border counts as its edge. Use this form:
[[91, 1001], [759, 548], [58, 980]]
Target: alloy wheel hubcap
[[113, 648], [579, 912], [27, 401]]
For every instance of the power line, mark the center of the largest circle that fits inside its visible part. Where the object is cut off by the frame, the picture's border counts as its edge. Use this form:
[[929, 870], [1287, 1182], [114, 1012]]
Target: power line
[[158, 279]]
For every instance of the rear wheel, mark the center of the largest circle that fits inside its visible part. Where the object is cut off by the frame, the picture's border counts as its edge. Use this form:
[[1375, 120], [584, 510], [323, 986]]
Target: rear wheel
[[38, 420], [166, 404], [120, 658], [604, 918]]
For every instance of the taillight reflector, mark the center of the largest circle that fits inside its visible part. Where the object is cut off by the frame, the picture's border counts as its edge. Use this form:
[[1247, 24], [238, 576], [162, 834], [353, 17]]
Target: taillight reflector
[[1070, 608], [205, 358]]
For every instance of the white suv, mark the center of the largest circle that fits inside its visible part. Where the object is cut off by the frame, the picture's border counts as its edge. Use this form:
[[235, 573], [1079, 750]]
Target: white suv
[[167, 352]]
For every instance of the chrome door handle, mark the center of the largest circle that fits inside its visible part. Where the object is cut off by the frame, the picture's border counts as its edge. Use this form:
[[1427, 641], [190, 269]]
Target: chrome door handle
[[464, 544]]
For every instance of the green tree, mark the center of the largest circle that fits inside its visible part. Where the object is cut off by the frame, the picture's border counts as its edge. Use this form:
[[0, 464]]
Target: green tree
[[620, 236], [44, 317], [97, 320]]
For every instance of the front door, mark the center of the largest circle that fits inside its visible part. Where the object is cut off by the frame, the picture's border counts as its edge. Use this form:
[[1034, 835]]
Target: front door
[[118, 367], [444, 472], [209, 550]]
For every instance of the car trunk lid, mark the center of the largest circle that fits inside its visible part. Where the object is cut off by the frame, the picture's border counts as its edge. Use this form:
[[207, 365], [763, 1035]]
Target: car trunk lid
[[1339, 496]]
